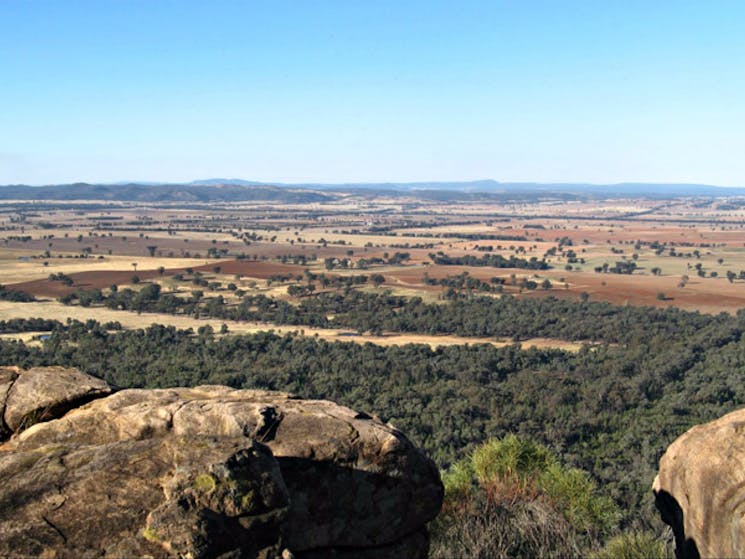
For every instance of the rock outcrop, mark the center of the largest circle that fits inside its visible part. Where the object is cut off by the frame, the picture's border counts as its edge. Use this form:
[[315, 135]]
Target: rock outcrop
[[204, 472], [700, 489], [45, 393]]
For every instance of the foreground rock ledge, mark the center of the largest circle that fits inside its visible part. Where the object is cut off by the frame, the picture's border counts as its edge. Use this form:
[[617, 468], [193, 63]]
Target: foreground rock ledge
[[205, 472], [700, 489]]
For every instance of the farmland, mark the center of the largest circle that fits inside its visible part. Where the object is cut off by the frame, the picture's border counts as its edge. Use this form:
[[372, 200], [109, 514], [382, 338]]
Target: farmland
[[688, 252]]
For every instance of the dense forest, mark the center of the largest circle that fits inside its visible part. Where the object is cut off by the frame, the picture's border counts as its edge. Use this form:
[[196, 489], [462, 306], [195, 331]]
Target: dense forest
[[610, 409]]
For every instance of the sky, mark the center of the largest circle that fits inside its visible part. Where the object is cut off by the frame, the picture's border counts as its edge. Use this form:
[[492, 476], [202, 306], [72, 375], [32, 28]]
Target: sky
[[350, 91]]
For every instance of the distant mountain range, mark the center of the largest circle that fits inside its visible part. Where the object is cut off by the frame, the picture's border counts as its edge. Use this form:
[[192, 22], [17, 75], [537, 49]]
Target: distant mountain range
[[489, 185], [139, 192], [238, 190]]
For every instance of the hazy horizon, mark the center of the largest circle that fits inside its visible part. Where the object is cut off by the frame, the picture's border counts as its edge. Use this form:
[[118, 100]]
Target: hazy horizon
[[470, 185], [339, 92]]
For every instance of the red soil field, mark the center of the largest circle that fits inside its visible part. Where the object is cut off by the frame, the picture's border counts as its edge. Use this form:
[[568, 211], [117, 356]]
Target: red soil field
[[105, 278], [710, 296], [255, 269], [83, 280]]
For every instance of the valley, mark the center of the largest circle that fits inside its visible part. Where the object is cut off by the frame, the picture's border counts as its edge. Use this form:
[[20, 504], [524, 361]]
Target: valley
[[600, 328]]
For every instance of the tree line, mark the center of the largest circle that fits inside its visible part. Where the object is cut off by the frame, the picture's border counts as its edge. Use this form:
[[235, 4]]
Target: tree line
[[466, 314]]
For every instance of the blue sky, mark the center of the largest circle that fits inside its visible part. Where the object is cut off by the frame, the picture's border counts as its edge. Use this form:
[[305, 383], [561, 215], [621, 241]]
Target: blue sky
[[597, 91]]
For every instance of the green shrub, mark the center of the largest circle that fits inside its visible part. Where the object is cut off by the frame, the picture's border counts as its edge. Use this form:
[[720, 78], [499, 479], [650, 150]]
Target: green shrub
[[458, 481], [512, 498], [576, 493], [636, 545], [502, 459]]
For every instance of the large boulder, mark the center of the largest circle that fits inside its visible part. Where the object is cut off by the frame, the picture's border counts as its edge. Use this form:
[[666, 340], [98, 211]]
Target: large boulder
[[44, 393], [700, 489], [178, 471]]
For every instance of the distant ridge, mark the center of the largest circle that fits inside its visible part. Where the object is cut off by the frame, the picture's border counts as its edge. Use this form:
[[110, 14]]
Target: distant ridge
[[655, 190], [137, 192], [239, 190]]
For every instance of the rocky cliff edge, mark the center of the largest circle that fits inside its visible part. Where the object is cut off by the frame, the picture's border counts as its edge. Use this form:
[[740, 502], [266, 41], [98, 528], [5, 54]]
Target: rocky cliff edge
[[202, 472]]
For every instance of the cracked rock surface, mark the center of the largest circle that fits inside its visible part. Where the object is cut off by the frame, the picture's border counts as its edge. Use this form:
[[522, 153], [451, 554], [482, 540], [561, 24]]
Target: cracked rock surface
[[210, 472]]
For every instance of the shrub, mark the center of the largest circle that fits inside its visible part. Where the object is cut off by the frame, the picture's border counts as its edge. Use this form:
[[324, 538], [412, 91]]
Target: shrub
[[510, 457], [511, 497], [458, 482], [636, 545], [576, 494], [530, 528]]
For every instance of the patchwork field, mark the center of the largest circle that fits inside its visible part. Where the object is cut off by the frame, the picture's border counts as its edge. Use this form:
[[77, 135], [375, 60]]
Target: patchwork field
[[686, 253]]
